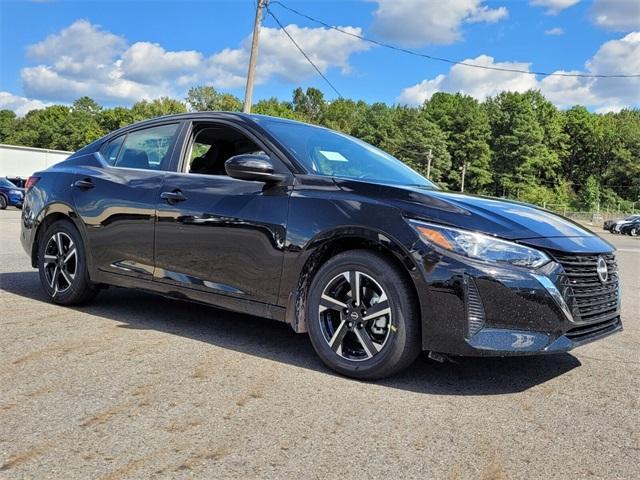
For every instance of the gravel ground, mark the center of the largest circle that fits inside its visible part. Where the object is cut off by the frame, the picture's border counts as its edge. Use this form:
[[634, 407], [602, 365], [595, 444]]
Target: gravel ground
[[137, 386]]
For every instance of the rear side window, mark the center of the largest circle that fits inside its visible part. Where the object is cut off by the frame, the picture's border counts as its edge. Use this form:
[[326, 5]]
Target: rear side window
[[110, 150], [147, 149]]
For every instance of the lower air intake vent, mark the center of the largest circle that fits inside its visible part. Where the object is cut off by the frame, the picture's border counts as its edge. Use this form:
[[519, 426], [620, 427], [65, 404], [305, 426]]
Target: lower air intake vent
[[475, 310]]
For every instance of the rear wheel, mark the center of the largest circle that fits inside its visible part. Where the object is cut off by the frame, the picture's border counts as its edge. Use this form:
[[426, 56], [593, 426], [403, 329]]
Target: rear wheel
[[362, 316], [62, 265], [634, 231]]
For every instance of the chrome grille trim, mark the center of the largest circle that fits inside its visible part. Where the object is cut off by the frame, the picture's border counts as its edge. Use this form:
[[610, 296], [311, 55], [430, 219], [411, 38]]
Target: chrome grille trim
[[590, 300]]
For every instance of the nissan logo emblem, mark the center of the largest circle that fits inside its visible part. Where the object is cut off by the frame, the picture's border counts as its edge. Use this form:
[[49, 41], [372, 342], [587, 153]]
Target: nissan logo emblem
[[603, 273]]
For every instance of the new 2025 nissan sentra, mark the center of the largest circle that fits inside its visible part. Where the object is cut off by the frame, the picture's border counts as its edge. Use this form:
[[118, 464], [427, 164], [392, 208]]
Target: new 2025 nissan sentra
[[317, 229]]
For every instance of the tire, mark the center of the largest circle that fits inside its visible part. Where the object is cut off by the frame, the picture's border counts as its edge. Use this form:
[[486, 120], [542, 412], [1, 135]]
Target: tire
[[364, 346], [633, 232], [63, 273], [3, 202]]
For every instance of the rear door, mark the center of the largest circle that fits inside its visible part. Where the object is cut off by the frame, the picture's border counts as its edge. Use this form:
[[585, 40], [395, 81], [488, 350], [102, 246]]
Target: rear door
[[221, 235], [117, 200]]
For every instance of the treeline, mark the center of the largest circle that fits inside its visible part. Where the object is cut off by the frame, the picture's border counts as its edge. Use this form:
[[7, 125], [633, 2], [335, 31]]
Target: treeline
[[515, 145]]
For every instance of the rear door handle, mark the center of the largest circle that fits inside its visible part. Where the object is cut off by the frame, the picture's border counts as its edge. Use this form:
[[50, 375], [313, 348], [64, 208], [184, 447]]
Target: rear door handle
[[85, 184], [173, 197]]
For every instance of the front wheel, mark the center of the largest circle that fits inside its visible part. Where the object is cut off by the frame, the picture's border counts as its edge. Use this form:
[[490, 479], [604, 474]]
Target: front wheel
[[3, 202], [62, 265], [362, 316]]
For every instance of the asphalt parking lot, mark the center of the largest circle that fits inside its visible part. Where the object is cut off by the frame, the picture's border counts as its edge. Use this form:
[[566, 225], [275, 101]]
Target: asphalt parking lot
[[137, 386]]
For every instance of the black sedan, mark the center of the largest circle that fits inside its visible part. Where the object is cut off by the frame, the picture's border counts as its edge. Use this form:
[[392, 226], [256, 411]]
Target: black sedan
[[614, 226], [317, 229], [631, 228]]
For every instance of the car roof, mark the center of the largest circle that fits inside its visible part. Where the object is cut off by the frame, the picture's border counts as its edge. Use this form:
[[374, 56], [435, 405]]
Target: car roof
[[212, 115]]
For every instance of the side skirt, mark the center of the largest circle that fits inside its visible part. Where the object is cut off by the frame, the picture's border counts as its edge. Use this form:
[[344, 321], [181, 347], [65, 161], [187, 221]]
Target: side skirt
[[249, 307]]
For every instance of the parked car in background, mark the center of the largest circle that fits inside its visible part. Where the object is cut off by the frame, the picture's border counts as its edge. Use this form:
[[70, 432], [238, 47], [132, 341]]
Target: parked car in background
[[17, 181], [631, 228], [322, 231], [615, 225], [10, 194]]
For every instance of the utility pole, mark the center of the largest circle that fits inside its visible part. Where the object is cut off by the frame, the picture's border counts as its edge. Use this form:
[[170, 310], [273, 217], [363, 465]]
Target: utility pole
[[464, 172], [429, 158], [248, 93]]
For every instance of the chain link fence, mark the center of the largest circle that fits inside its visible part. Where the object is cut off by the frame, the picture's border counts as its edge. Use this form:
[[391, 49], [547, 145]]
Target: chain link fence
[[592, 217]]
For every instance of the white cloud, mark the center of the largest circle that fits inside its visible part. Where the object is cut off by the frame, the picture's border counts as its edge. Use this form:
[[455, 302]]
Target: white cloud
[[20, 105], [565, 92], [83, 59], [417, 22], [554, 6], [149, 63], [620, 57], [476, 82], [554, 31], [79, 51], [618, 15]]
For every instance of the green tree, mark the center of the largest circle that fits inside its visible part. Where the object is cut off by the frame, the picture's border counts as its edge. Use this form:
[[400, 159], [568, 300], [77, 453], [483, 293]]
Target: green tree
[[310, 105], [7, 124], [274, 107], [520, 156], [41, 128], [111, 119], [155, 108], [417, 138], [591, 193], [466, 127], [206, 98], [343, 114], [88, 105]]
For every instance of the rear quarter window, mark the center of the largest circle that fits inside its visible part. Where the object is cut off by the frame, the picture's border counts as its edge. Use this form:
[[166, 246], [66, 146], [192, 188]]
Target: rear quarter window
[[110, 150]]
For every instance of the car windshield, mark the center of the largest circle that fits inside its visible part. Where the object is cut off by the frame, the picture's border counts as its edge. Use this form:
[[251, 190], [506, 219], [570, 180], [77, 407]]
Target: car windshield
[[329, 153], [6, 183]]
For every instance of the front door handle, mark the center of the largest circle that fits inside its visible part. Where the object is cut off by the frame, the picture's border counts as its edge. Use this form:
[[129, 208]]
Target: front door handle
[[173, 197], [85, 184]]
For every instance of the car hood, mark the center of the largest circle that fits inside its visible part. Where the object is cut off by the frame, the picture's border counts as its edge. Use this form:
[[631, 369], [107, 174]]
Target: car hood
[[502, 218]]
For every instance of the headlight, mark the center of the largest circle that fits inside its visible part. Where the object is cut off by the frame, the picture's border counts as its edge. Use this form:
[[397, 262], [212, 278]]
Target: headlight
[[480, 247], [15, 192]]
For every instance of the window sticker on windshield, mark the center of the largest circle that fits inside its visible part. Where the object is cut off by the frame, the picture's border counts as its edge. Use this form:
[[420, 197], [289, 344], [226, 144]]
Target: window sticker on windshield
[[333, 156]]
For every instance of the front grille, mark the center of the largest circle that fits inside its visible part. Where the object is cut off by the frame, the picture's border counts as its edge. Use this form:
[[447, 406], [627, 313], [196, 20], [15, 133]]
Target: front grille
[[590, 300], [600, 328]]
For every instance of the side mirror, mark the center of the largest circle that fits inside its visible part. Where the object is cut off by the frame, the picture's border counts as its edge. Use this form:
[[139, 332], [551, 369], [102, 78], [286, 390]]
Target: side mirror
[[257, 168]]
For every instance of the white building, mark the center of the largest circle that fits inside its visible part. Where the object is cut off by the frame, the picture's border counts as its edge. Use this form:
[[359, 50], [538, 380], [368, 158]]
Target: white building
[[21, 162]]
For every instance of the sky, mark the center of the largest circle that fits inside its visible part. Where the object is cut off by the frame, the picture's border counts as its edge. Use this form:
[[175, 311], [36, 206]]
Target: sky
[[120, 52]]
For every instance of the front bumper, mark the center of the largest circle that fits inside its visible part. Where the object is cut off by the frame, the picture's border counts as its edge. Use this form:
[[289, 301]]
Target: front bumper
[[475, 309], [521, 342], [16, 200]]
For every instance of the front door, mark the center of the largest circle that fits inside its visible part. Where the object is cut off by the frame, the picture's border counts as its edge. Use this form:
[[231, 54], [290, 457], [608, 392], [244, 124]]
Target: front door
[[219, 234]]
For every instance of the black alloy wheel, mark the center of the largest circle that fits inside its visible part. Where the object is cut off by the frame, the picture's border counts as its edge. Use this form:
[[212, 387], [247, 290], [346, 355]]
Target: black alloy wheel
[[362, 315], [62, 265]]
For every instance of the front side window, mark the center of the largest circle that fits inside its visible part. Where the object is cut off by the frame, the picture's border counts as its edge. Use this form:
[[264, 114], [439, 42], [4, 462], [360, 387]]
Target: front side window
[[326, 152], [212, 145], [147, 149]]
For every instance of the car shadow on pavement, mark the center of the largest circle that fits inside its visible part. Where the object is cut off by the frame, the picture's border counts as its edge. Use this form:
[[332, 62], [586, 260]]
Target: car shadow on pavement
[[276, 341]]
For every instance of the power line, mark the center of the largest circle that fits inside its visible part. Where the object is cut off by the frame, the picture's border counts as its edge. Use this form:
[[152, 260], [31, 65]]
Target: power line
[[447, 60], [302, 51]]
